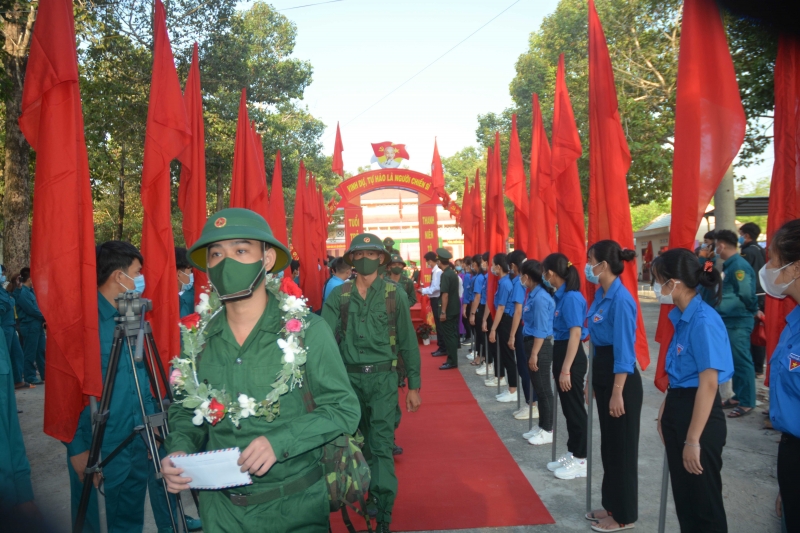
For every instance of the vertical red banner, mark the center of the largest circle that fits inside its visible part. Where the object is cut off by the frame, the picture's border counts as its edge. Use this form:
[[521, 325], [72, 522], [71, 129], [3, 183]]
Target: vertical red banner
[[428, 238], [353, 224]]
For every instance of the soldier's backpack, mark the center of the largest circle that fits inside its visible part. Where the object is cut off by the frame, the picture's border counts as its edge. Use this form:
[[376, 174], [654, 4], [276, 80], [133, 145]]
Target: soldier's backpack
[[346, 471], [390, 294]]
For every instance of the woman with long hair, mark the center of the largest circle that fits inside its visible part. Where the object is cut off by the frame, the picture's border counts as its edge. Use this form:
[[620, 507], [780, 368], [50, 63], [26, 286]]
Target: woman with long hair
[[500, 329], [690, 419]]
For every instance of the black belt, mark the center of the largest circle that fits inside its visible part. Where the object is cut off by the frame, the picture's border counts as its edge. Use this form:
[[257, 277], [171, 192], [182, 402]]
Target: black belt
[[390, 366], [293, 487]]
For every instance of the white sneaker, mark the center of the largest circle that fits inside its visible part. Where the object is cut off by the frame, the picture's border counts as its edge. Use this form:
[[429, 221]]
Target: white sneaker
[[543, 437], [481, 371], [501, 394], [470, 356], [572, 469], [561, 461], [523, 413], [507, 397], [491, 382], [534, 430], [520, 410]]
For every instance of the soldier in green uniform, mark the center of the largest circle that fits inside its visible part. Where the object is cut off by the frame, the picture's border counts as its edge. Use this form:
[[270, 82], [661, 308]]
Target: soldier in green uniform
[[242, 354], [450, 309], [398, 275], [119, 266], [737, 308], [371, 341]]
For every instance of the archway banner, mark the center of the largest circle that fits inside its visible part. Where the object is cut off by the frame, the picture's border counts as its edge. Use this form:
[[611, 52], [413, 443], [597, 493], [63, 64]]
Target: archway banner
[[386, 178]]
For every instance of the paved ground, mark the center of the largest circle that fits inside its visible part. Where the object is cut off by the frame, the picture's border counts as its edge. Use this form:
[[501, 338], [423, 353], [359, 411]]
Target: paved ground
[[750, 485]]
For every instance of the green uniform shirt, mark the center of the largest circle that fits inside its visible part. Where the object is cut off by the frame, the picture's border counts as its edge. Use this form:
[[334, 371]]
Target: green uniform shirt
[[367, 338], [186, 302], [296, 435], [407, 285], [449, 286], [739, 303], [27, 309]]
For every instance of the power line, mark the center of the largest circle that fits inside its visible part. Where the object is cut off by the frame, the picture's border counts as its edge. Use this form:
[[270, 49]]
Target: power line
[[310, 5], [426, 67]]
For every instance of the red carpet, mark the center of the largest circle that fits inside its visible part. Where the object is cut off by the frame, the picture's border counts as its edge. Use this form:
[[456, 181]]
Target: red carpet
[[455, 472]]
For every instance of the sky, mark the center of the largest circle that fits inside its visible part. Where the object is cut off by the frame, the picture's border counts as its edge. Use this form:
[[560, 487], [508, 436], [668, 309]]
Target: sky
[[361, 51]]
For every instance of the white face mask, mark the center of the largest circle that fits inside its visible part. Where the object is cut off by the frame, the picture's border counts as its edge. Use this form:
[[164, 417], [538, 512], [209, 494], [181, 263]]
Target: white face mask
[[664, 298], [769, 277]]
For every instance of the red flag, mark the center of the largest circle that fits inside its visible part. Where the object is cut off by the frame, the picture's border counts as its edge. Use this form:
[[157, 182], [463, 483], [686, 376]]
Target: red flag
[[609, 161], [192, 190], [399, 149], [337, 166], [516, 189], [298, 217], [648, 254], [566, 151], [323, 224], [309, 271], [168, 133], [277, 206], [249, 182], [542, 197], [62, 244], [784, 198], [466, 218], [477, 215], [709, 130], [497, 227], [262, 167], [437, 172]]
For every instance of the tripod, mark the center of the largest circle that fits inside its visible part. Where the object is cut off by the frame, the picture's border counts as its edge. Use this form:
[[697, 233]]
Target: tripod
[[133, 332]]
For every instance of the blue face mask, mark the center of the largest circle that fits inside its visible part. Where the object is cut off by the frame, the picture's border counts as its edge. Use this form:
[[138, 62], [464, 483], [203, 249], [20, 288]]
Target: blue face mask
[[591, 277], [2, 278], [138, 283], [280, 274], [187, 286], [741, 239], [547, 283], [458, 269]]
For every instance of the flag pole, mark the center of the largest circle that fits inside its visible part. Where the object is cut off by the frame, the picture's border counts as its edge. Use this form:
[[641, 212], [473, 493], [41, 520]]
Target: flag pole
[[589, 431]]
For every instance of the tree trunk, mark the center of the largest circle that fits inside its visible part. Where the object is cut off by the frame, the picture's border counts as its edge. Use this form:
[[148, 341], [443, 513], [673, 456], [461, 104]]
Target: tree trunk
[[220, 193], [725, 203], [17, 28], [121, 199]]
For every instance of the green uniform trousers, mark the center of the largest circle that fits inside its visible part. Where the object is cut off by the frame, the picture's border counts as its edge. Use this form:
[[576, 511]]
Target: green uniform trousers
[[377, 395], [158, 503], [448, 329], [124, 499], [33, 349], [744, 375], [304, 512]]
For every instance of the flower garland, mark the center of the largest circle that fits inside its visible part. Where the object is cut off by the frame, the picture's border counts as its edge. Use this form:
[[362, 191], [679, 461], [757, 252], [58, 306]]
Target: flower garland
[[210, 404]]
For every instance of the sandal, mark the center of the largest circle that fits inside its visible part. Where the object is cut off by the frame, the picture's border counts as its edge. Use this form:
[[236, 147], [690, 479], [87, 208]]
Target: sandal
[[739, 412], [592, 515], [728, 404], [620, 527]]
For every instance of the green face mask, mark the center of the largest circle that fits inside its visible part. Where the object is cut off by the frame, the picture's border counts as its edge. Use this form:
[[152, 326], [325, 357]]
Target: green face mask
[[366, 266], [397, 270], [233, 279]]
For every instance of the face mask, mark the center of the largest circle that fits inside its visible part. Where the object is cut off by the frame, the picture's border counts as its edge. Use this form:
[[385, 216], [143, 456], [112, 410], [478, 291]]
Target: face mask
[[769, 277], [233, 279], [2, 278], [591, 277], [187, 286], [741, 239], [547, 283], [366, 266], [138, 283], [458, 269], [496, 272], [397, 270], [664, 298]]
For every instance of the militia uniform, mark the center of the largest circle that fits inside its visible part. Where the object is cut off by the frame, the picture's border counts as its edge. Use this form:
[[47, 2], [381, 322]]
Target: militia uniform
[[448, 327], [365, 344], [8, 322], [31, 329], [404, 282], [293, 494]]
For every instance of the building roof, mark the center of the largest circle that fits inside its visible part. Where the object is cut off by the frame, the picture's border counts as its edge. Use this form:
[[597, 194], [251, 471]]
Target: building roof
[[748, 206], [662, 221]]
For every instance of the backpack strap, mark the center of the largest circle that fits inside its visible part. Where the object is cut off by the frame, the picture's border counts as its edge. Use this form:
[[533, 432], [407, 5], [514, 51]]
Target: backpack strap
[[390, 296]]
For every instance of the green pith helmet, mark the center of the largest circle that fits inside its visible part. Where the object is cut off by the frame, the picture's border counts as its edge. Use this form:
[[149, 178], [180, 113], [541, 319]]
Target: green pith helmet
[[236, 223], [443, 254], [397, 258], [366, 241]]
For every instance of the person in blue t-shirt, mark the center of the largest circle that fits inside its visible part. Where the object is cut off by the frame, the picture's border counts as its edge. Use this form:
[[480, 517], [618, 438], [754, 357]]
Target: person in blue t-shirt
[[537, 335], [340, 272], [690, 420], [514, 307], [476, 308], [617, 383], [779, 280], [500, 329], [569, 361]]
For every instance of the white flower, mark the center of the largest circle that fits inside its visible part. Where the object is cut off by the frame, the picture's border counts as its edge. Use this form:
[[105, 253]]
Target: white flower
[[290, 348], [203, 306], [247, 404], [198, 417], [292, 304]]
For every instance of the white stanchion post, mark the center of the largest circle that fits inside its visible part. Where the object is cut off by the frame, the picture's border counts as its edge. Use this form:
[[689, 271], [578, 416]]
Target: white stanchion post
[[662, 510], [589, 431]]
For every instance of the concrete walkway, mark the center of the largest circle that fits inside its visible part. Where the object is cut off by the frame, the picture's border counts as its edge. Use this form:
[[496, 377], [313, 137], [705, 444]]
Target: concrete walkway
[[750, 485]]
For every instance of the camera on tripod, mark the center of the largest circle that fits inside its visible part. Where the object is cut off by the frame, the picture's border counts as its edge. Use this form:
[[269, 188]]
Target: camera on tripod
[[132, 305]]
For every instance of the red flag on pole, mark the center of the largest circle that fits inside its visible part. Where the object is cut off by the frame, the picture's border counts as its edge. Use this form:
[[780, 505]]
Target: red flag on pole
[[477, 215], [62, 243], [249, 182], [648, 254], [337, 165], [298, 217], [262, 167], [497, 227], [709, 130], [168, 133], [566, 151], [466, 218], [542, 197], [784, 198], [609, 161], [309, 261], [437, 172], [516, 189], [277, 206], [192, 190]]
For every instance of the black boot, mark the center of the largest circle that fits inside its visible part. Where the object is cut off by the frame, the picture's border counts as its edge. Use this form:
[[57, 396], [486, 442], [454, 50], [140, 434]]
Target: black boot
[[397, 450], [383, 527]]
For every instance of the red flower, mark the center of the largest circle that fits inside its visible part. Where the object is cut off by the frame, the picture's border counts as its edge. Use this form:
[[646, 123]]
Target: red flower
[[191, 321], [288, 286], [294, 326], [216, 411]]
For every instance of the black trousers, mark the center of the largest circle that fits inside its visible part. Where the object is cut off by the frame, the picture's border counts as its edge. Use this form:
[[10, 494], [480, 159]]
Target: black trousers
[[698, 499], [467, 326], [788, 476], [508, 359], [480, 336], [522, 365], [541, 381], [435, 309], [619, 437], [449, 335], [573, 404]]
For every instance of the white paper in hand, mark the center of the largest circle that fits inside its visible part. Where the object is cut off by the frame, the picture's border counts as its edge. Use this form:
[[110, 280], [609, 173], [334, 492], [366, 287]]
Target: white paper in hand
[[218, 469]]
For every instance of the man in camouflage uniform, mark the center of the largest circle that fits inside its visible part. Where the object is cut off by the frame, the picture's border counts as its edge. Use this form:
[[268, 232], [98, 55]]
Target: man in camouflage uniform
[[371, 342]]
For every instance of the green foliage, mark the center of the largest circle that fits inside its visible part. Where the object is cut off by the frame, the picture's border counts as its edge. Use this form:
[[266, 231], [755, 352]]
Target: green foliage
[[644, 214], [461, 166]]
